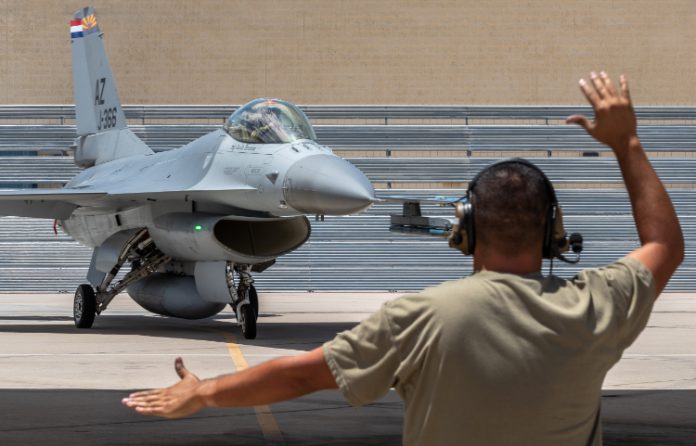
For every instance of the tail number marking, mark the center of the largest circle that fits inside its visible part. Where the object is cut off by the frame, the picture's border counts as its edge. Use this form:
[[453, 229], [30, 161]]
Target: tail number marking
[[107, 118]]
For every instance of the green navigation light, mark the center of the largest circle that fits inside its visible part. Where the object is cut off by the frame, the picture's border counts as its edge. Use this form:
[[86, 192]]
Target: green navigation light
[[198, 227]]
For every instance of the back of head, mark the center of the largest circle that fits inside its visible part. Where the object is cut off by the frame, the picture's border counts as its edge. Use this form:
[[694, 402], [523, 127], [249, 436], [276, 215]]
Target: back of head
[[512, 202]]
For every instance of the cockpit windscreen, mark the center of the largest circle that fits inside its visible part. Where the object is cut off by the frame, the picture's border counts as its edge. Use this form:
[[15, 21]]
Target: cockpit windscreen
[[269, 121]]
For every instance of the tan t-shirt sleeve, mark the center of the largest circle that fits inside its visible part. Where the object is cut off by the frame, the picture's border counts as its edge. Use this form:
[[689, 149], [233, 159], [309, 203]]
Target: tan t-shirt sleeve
[[364, 360], [632, 292]]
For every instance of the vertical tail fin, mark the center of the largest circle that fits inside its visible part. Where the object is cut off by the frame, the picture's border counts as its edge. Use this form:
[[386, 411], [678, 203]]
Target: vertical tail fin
[[97, 107], [102, 130]]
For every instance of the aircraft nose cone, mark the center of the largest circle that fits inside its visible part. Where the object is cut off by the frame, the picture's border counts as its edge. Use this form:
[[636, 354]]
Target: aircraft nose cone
[[327, 185]]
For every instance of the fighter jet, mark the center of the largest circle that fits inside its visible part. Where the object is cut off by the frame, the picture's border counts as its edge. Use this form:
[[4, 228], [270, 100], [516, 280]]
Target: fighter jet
[[195, 222]]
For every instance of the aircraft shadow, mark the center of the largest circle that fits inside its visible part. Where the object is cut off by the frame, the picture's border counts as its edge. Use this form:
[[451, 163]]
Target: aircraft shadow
[[297, 335]]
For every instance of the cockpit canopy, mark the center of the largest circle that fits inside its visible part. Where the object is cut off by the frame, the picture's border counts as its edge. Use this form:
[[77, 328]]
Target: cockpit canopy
[[269, 121]]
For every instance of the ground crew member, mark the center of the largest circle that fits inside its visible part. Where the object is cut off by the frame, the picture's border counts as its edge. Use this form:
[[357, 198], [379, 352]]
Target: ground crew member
[[505, 356]]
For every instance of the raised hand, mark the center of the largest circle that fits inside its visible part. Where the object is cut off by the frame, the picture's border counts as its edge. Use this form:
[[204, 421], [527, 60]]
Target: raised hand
[[615, 119], [176, 401]]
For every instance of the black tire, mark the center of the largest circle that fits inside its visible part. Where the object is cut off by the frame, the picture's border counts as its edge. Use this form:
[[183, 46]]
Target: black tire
[[248, 322], [254, 300], [84, 306]]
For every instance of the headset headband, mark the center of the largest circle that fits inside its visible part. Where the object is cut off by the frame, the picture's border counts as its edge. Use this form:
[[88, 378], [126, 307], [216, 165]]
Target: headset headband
[[521, 161], [555, 240]]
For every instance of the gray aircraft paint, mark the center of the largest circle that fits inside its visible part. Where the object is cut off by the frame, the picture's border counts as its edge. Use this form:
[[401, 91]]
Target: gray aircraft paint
[[212, 203], [102, 131]]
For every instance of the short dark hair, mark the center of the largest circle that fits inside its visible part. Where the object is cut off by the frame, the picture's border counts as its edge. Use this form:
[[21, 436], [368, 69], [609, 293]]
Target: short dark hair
[[511, 203]]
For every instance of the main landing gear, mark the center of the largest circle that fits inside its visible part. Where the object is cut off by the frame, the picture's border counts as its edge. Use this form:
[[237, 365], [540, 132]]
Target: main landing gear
[[245, 300], [84, 306], [145, 259]]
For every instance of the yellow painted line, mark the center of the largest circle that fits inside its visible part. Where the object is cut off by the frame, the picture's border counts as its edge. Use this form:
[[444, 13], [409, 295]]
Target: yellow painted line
[[264, 416]]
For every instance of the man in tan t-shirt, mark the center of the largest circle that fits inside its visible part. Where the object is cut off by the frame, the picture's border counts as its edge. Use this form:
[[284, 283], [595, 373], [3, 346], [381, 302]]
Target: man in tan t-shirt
[[505, 356]]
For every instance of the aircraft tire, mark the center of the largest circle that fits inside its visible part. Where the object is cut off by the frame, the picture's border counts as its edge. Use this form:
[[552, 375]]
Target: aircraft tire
[[248, 322], [84, 306], [254, 299]]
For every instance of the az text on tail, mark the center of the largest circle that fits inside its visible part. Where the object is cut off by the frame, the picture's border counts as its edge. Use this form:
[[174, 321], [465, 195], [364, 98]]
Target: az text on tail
[[102, 131]]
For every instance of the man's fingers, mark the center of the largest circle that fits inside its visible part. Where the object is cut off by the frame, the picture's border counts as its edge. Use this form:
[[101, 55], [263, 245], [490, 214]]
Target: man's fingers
[[598, 84], [608, 84], [144, 393], [589, 92], [149, 398], [624, 87], [143, 397], [155, 410], [149, 403], [581, 121]]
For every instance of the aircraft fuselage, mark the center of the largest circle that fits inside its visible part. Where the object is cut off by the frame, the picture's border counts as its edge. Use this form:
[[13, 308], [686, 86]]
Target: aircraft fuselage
[[224, 177]]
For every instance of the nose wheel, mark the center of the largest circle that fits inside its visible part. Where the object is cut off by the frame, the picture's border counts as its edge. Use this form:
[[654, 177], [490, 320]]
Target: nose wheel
[[245, 299], [247, 320], [84, 306], [247, 311]]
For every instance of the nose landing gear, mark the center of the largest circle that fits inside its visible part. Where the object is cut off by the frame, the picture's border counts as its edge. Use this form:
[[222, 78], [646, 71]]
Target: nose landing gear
[[247, 315], [245, 301]]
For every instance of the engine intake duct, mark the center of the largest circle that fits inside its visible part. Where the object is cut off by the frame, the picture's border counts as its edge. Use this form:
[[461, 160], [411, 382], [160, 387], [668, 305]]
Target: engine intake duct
[[262, 238], [248, 240]]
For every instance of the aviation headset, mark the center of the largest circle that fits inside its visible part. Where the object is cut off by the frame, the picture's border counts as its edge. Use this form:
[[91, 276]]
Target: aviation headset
[[463, 235]]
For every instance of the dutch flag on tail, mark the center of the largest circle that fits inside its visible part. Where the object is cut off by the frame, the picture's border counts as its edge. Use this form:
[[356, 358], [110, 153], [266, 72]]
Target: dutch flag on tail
[[75, 28], [82, 27]]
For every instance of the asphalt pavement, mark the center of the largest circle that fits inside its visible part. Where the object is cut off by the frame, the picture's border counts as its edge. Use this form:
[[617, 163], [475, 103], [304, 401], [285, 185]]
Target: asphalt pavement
[[61, 385]]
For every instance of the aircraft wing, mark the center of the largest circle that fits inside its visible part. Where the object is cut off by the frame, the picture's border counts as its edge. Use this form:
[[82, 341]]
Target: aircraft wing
[[44, 203], [60, 203]]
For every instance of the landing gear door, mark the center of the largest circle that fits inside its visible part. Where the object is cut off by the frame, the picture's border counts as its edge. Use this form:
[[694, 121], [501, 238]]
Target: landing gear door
[[211, 281], [104, 257]]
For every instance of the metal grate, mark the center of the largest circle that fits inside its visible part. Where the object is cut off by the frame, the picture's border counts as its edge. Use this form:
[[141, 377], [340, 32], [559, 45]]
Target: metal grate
[[359, 252]]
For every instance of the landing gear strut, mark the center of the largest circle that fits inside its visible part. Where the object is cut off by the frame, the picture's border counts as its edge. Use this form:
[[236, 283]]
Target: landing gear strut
[[145, 259], [245, 301]]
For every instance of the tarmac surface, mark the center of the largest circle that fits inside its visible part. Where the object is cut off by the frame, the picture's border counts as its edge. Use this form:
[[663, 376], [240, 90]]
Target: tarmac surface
[[61, 385]]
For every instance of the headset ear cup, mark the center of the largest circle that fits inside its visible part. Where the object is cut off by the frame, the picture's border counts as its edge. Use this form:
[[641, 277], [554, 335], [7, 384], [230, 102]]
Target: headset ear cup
[[456, 240], [461, 236], [560, 237], [468, 232]]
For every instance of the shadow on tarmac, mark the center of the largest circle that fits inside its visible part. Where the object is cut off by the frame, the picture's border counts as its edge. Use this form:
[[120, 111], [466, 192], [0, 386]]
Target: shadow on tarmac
[[95, 417], [299, 336], [649, 417]]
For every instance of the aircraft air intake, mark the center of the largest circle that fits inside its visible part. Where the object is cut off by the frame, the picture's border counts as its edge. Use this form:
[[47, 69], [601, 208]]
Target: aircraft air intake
[[205, 237]]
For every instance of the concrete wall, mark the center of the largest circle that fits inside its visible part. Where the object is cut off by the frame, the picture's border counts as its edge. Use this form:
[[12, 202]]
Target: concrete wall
[[354, 52]]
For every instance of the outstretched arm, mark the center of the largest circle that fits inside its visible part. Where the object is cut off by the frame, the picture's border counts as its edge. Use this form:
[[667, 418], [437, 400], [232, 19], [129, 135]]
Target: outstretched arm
[[273, 381], [662, 243]]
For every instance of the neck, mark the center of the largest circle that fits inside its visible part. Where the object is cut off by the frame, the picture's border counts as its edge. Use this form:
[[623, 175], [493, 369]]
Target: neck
[[526, 262]]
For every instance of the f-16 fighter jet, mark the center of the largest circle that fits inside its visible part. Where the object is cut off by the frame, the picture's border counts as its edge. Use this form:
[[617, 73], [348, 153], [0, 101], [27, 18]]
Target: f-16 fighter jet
[[192, 223]]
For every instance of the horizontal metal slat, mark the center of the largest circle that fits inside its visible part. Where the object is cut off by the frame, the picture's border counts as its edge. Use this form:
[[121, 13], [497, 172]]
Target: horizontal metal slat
[[140, 112]]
